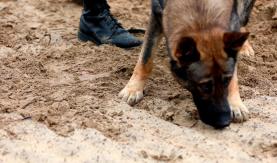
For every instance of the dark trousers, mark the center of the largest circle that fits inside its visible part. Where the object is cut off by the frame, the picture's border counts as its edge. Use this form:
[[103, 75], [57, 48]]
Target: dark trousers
[[95, 6]]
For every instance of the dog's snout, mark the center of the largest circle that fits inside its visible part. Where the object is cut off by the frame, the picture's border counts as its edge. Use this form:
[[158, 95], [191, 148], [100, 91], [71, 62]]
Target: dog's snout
[[216, 114], [222, 121], [218, 120]]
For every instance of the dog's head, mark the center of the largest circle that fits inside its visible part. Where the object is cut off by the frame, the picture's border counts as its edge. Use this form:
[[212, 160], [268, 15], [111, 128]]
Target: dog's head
[[204, 63]]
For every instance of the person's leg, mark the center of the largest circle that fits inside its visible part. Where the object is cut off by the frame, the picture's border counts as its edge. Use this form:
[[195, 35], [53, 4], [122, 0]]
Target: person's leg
[[95, 7], [98, 25]]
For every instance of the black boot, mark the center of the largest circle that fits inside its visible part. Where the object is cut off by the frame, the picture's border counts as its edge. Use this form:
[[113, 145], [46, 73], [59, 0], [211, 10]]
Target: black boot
[[99, 26]]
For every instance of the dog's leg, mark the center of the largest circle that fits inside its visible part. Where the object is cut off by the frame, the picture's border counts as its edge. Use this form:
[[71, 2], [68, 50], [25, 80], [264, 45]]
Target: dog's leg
[[133, 91], [239, 112], [244, 10], [246, 48]]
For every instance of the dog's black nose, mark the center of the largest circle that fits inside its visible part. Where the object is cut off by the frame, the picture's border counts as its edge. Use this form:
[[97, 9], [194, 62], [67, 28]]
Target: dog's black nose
[[216, 113], [221, 124], [218, 120]]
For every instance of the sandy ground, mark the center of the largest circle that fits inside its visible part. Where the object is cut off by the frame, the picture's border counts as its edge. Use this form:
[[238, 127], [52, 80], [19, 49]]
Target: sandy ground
[[58, 96]]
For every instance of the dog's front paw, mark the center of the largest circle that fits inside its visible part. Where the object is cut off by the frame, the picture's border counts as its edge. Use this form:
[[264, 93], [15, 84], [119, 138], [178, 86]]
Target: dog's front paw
[[132, 94], [247, 50], [239, 112]]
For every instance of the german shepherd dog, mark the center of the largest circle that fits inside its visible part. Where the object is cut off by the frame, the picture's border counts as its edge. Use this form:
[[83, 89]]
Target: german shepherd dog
[[204, 39]]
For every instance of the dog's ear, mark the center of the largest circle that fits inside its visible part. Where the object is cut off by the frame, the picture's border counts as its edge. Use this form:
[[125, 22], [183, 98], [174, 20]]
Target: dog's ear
[[233, 41], [186, 51]]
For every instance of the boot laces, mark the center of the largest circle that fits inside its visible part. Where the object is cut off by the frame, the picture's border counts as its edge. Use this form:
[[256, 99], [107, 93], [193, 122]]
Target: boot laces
[[110, 20]]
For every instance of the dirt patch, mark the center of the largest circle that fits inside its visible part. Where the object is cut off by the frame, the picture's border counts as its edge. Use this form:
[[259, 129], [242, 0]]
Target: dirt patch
[[50, 77]]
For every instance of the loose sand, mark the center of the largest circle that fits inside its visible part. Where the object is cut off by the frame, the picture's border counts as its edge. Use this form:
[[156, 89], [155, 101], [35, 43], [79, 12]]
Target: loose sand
[[58, 96]]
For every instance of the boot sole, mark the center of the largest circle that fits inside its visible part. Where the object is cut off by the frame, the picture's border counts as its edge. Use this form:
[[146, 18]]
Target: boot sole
[[84, 37]]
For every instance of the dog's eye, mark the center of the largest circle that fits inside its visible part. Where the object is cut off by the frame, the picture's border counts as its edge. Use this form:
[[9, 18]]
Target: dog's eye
[[226, 80], [206, 87], [187, 51], [189, 55]]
